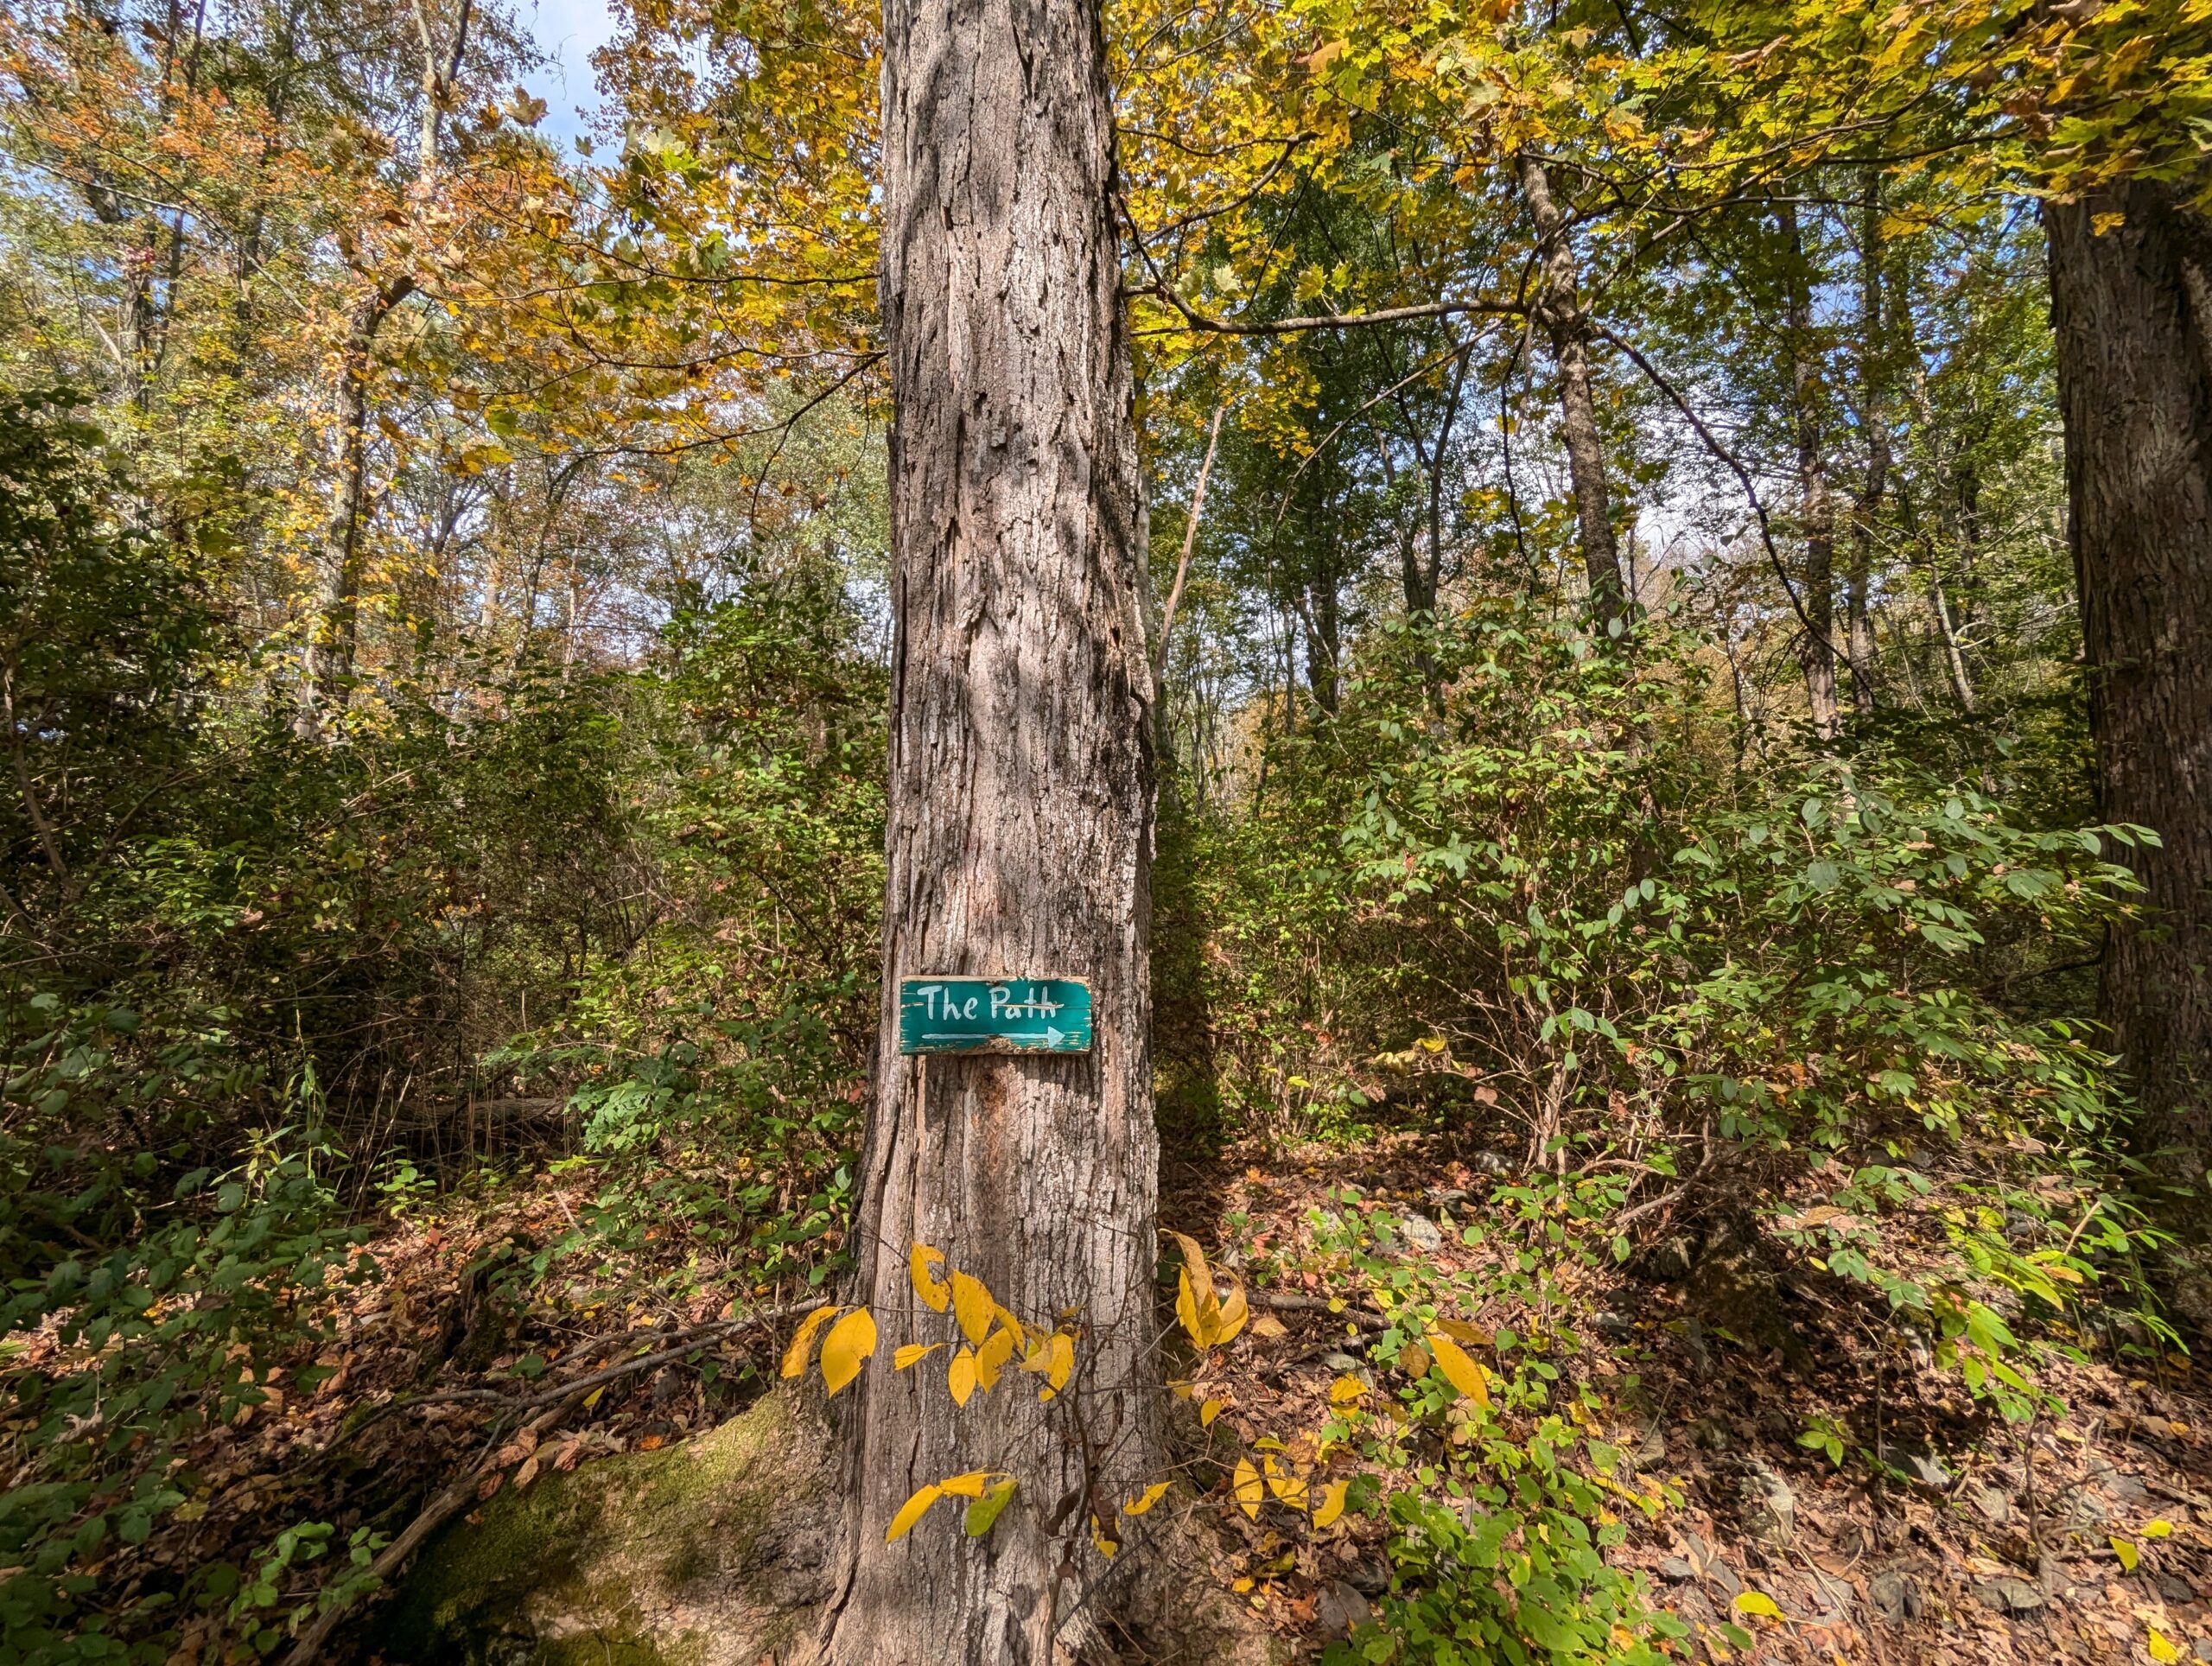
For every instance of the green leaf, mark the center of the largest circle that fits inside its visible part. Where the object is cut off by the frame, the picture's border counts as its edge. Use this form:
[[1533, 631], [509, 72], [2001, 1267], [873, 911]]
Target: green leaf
[[985, 1511]]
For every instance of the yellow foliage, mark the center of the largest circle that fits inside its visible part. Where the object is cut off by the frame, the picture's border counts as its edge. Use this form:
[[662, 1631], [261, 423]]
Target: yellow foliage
[[922, 1262], [991, 1358], [802, 1348], [912, 1511], [1251, 1491], [850, 1341], [1332, 1503], [1460, 1369], [1145, 1500], [973, 1306], [960, 1376]]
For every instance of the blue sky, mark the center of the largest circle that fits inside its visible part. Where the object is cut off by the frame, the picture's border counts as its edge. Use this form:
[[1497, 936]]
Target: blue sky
[[568, 31]]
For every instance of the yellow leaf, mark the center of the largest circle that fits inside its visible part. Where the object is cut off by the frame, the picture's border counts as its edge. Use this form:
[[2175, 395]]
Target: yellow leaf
[[1187, 1309], [960, 1376], [1233, 1313], [1460, 1370], [2162, 1649], [2125, 1550], [1106, 1546], [1332, 1503], [1208, 1412], [851, 1340], [1268, 1326], [1060, 1365], [912, 1511], [973, 1306], [991, 1358], [2157, 1529], [1251, 1492], [1345, 1389], [1202, 1317], [969, 1486], [1021, 1334], [1474, 1335], [802, 1348], [913, 1354], [1288, 1488], [1755, 1602], [921, 1263], [1145, 1500]]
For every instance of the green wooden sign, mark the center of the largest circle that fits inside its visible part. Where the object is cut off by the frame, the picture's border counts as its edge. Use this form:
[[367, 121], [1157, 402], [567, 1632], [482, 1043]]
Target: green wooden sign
[[994, 1015]]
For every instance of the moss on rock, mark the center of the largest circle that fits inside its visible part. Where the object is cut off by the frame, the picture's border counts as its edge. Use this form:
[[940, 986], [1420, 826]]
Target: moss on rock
[[702, 1553]]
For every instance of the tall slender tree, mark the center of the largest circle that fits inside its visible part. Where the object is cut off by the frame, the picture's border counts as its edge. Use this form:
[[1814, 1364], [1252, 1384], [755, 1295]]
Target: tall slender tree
[[1020, 836]]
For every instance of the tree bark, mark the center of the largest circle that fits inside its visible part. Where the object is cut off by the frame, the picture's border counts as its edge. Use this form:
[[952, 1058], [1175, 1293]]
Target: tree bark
[[1816, 506], [335, 629], [1020, 836], [1567, 328], [1874, 417], [2133, 313]]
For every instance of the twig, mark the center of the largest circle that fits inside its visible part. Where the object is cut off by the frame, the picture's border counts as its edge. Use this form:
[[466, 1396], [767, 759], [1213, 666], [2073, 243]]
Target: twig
[[456, 1498], [1284, 1303], [559, 1403], [684, 1342]]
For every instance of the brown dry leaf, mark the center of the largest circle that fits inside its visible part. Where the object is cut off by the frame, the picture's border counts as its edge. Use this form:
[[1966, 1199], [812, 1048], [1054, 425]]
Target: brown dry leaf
[[527, 1474], [1268, 1326], [490, 1485], [653, 1443]]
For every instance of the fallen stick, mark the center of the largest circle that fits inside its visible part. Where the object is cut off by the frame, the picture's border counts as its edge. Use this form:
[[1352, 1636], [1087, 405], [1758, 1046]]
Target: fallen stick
[[1284, 1303], [559, 1403]]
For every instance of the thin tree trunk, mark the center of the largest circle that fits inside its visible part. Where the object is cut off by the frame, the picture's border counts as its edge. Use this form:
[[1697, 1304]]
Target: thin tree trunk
[[335, 630], [1020, 834], [1874, 417], [1816, 509], [2133, 312], [1190, 542], [1560, 311]]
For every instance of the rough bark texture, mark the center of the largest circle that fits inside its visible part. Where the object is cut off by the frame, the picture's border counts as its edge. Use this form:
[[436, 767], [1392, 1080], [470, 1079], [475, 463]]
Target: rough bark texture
[[1020, 831], [2133, 311], [1560, 311]]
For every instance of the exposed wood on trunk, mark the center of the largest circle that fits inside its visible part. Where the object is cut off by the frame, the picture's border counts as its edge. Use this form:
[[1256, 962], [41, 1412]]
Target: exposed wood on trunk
[[2135, 391], [1560, 310], [1020, 834]]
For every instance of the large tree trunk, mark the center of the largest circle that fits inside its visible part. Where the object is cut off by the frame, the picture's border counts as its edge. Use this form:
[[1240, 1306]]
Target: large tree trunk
[[1020, 831], [1560, 312], [2133, 311]]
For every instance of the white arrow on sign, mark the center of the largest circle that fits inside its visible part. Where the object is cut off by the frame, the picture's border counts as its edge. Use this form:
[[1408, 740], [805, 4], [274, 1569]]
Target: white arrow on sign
[[1053, 1037]]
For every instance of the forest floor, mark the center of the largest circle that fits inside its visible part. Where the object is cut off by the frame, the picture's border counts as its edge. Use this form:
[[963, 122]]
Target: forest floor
[[1987, 1542], [2079, 1538]]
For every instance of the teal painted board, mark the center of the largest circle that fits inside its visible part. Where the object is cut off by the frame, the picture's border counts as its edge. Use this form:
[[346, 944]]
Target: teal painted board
[[994, 1015]]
